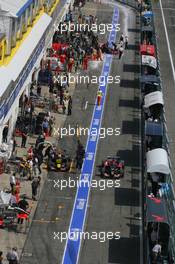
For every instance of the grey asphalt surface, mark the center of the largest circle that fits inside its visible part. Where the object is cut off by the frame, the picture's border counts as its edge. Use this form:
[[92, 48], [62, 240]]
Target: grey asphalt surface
[[115, 209], [111, 210], [165, 65]]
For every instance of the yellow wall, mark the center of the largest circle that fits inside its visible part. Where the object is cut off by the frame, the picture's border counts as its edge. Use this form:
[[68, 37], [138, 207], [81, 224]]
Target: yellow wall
[[2, 47], [19, 42], [5, 60], [53, 7]]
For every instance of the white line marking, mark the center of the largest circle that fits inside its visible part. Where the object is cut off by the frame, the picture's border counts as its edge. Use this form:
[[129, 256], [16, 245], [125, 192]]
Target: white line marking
[[168, 42], [86, 105]]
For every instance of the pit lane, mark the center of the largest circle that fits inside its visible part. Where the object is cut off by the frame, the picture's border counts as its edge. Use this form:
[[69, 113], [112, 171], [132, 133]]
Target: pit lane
[[113, 209]]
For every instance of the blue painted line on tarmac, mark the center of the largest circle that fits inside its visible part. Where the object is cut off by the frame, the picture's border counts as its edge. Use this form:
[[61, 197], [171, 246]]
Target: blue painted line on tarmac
[[73, 243]]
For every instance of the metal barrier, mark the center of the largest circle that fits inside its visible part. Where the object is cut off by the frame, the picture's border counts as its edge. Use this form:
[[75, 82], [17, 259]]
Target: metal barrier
[[131, 3]]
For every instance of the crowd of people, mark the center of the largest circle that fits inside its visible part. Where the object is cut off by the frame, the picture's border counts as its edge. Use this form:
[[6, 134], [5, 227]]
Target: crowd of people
[[117, 48], [74, 48], [29, 168], [31, 165], [31, 122], [71, 52]]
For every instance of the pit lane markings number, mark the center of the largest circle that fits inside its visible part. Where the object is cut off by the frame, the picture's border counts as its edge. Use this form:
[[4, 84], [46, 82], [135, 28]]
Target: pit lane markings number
[[99, 108], [85, 177], [74, 234], [96, 122], [80, 204], [90, 156], [107, 65], [93, 138]]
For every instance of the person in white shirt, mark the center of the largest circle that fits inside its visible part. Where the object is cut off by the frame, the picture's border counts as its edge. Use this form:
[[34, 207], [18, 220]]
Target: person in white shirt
[[65, 102], [30, 166], [156, 250], [12, 181], [35, 166], [12, 256]]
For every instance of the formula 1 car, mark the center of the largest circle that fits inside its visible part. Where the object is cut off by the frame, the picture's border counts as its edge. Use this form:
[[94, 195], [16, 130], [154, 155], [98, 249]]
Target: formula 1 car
[[58, 162], [9, 215], [112, 167], [109, 50]]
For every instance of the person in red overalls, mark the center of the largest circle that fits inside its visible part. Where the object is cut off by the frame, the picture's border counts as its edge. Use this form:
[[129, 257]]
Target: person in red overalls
[[85, 63], [63, 58], [99, 54], [30, 152], [99, 96], [70, 64]]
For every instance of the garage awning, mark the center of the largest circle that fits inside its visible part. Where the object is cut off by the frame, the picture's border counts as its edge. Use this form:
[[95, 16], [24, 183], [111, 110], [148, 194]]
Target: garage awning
[[5, 197], [156, 210], [147, 14], [12, 71], [153, 128], [150, 79], [157, 161], [153, 99], [149, 61]]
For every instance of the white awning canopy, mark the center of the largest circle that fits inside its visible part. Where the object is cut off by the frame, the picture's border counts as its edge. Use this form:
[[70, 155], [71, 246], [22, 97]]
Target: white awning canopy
[[14, 68], [149, 61], [157, 161], [5, 197], [153, 98], [15, 7]]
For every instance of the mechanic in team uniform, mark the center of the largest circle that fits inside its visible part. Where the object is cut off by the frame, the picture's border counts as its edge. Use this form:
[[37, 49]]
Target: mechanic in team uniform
[[99, 96]]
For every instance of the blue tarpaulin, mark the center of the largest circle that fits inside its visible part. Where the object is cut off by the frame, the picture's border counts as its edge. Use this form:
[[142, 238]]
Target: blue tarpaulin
[[147, 14], [154, 128], [150, 79]]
